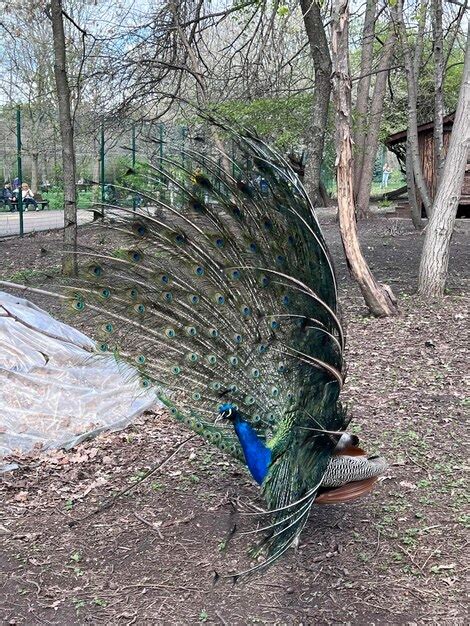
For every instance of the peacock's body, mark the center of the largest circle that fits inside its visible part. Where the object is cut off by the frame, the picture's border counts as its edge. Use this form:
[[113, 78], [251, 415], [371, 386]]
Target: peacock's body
[[226, 301]]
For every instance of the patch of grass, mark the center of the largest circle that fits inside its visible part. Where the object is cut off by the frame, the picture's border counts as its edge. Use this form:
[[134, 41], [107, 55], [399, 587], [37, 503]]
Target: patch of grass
[[135, 478], [99, 602], [76, 557], [203, 616]]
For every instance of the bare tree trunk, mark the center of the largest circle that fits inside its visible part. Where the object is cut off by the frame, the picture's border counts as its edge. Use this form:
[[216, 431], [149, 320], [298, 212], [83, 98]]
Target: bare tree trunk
[[363, 90], [372, 135], [319, 121], [379, 298], [411, 71], [438, 88], [415, 208], [69, 258], [34, 171], [435, 256]]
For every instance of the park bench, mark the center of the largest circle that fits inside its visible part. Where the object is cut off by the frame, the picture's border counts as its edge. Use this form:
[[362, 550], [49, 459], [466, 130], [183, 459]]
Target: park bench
[[42, 204]]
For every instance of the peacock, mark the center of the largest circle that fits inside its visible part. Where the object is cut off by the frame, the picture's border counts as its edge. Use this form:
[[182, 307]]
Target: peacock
[[223, 295]]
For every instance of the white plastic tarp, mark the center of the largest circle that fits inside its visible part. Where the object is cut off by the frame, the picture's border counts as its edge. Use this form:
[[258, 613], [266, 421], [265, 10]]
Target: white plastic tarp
[[53, 390]]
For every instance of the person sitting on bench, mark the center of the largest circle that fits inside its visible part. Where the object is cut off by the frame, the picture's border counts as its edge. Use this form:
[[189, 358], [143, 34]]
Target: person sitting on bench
[[28, 197], [7, 196]]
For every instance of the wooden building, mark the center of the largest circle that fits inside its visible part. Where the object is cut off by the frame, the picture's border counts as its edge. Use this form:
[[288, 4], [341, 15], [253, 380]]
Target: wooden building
[[397, 144]]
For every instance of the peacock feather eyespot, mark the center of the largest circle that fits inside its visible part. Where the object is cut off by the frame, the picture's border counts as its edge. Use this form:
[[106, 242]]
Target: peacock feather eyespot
[[97, 270], [140, 359], [268, 225], [180, 238], [280, 259], [135, 256], [164, 279], [105, 293], [199, 270], [255, 373], [217, 437], [140, 229], [285, 300], [256, 419], [139, 308], [233, 388], [253, 247], [190, 331], [102, 347], [213, 332], [233, 360], [236, 211], [238, 338], [145, 383], [170, 333], [274, 325], [249, 400], [176, 369], [211, 359], [78, 305], [281, 367], [235, 274], [274, 392], [215, 385], [219, 242], [196, 395], [167, 296], [198, 206], [198, 427], [262, 348], [219, 298], [192, 357], [271, 418], [264, 280], [246, 311], [108, 328], [133, 293], [173, 410], [193, 298], [291, 240]]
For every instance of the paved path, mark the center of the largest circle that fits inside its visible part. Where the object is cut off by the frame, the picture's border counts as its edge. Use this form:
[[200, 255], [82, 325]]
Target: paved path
[[37, 220]]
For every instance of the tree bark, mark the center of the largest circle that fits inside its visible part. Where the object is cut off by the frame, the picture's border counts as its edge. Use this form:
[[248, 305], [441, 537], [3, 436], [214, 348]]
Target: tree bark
[[379, 298], [415, 208], [34, 171], [363, 90], [438, 88], [69, 258], [411, 71], [435, 256], [321, 98], [372, 135]]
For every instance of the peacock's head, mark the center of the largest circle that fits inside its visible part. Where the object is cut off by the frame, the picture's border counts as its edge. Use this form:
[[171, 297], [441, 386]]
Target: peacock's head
[[228, 411]]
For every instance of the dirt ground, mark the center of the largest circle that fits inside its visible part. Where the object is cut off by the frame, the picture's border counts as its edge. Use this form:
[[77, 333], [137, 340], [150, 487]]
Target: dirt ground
[[396, 557]]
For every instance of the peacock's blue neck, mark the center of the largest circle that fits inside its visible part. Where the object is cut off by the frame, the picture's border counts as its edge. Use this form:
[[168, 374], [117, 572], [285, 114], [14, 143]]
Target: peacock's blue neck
[[257, 455]]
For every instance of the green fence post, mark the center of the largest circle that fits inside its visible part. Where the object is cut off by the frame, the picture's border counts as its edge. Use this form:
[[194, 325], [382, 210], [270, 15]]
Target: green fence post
[[134, 203], [19, 168], [102, 168]]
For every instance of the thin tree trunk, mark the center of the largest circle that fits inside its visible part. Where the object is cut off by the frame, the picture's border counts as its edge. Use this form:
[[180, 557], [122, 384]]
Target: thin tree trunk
[[435, 256], [320, 53], [415, 208], [363, 90], [34, 171], [372, 135], [379, 298], [69, 258], [411, 71], [438, 88]]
